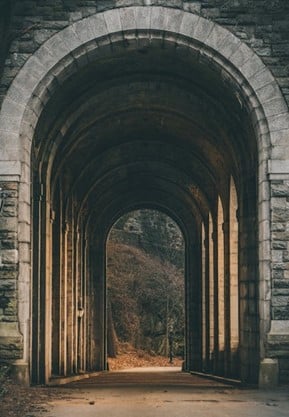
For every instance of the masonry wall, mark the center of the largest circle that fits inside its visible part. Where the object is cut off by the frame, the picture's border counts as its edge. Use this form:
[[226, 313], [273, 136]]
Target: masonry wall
[[6, 13], [262, 24], [11, 348], [278, 343]]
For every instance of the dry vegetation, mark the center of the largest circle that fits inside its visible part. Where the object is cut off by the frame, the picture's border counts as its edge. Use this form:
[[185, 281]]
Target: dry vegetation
[[20, 401], [129, 357], [146, 299]]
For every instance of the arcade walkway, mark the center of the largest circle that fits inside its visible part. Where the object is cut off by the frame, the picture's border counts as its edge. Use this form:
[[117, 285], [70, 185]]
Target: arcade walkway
[[165, 392], [149, 377]]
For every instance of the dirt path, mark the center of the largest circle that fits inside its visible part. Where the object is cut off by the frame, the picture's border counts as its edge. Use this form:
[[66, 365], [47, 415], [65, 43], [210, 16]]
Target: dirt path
[[130, 357]]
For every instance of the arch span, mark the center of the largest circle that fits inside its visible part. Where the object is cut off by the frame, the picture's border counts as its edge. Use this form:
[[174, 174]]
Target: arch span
[[145, 265], [82, 48]]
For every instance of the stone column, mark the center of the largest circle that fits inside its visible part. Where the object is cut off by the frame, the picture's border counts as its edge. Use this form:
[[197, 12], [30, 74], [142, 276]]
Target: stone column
[[205, 299], [63, 301], [70, 294], [274, 367], [56, 290], [11, 339], [233, 236], [221, 288], [211, 294], [196, 324], [97, 302]]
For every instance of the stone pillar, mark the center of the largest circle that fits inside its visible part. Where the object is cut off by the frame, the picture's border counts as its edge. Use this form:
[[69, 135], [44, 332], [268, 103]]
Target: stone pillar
[[70, 293], [97, 302], [205, 300], [63, 301], [196, 307], [215, 306], [274, 366], [41, 285], [211, 294], [227, 297], [11, 339], [56, 292], [248, 282], [221, 288], [233, 290], [85, 286]]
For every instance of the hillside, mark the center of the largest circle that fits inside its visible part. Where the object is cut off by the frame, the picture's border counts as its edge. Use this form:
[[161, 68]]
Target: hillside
[[145, 300], [152, 231]]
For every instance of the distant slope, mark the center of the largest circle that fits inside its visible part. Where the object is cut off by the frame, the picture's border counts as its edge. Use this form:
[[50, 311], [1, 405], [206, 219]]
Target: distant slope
[[146, 298], [152, 231]]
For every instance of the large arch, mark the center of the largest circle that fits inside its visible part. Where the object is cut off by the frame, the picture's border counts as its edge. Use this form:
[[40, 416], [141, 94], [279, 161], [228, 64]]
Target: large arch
[[179, 34]]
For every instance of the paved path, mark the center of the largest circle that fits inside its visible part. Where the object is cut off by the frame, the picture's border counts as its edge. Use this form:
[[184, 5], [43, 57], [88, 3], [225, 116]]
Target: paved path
[[165, 394], [156, 376]]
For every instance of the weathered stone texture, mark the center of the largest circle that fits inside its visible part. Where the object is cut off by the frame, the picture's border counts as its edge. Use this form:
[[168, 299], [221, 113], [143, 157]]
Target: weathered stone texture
[[278, 347], [263, 25], [11, 342], [10, 346], [284, 369], [280, 253], [6, 10]]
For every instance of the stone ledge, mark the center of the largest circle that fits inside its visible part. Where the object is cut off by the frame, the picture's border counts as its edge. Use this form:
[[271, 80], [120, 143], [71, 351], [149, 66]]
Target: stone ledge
[[278, 169], [279, 327], [9, 330], [10, 168], [278, 339]]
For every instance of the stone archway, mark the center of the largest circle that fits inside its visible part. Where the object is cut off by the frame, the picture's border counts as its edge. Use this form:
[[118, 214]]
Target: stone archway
[[76, 52], [145, 280]]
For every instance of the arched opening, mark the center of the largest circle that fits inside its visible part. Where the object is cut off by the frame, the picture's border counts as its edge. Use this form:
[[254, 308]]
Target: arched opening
[[145, 280], [145, 121], [152, 137]]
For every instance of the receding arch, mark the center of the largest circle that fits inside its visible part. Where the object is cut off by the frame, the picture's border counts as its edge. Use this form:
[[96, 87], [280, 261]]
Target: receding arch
[[56, 59], [141, 255]]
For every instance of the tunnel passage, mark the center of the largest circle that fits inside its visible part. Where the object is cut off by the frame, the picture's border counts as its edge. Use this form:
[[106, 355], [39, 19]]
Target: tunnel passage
[[150, 125], [145, 291]]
